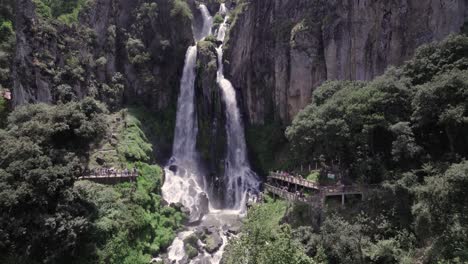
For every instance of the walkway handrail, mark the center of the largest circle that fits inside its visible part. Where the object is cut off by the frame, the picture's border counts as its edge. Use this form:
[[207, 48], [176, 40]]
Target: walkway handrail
[[110, 175], [294, 180], [292, 196]]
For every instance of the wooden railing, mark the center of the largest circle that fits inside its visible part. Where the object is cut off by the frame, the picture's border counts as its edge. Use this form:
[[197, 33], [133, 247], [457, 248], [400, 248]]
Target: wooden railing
[[294, 180], [110, 176], [279, 184], [292, 196]]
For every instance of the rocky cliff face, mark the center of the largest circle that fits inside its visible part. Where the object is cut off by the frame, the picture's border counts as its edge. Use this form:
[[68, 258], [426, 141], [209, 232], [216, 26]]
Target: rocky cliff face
[[119, 51], [211, 139], [280, 50]]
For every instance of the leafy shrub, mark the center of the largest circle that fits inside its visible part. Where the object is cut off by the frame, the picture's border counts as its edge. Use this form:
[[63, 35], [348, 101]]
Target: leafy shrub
[[133, 144], [264, 239], [6, 30], [180, 8], [43, 9], [136, 51], [3, 111], [66, 11], [217, 20]]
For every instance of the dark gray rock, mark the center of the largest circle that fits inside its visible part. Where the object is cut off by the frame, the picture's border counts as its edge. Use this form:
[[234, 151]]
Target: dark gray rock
[[213, 241]]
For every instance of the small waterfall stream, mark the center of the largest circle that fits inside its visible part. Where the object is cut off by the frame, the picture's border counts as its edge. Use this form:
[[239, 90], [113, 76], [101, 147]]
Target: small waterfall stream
[[207, 21]]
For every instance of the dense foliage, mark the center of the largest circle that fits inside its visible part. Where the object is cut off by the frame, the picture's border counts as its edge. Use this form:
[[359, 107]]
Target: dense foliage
[[411, 115], [7, 41], [41, 153], [264, 239], [65, 11], [48, 218], [408, 130], [131, 223]]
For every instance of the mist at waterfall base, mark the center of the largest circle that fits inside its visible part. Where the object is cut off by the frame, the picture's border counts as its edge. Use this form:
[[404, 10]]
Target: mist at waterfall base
[[185, 181]]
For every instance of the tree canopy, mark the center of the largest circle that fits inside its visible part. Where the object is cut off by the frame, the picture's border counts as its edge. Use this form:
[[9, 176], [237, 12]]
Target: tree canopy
[[410, 115], [41, 152]]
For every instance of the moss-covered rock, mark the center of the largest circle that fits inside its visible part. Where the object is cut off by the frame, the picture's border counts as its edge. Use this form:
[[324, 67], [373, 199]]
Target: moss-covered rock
[[191, 246], [213, 242]]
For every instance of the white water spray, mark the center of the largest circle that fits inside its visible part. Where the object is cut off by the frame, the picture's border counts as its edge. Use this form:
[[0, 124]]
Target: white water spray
[[176, 251], [222, 31], [241, 180], [222, 9], [207, 21], [184, 183]]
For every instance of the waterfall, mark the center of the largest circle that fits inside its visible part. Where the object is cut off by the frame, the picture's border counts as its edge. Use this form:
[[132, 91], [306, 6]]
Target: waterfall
[[183, 182], [222, 31], [222, 9], [183, 149], [207, 21], [240, 179]]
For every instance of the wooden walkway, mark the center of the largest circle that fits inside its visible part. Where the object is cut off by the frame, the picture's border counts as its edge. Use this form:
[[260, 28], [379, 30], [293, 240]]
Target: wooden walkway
[[297, 189], [294, 180], [111, 178], [292, 196]]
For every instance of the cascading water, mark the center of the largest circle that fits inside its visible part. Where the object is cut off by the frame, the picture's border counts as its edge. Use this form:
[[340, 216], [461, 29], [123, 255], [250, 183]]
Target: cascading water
[[183, 183], [222, 9], [207, 21], [185, 136], [222, 32], [240, 178]]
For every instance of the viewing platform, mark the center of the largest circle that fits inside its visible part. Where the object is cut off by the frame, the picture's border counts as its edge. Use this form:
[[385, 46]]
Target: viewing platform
[[293, 197], [297, 189], [294, 180], [105, 176]]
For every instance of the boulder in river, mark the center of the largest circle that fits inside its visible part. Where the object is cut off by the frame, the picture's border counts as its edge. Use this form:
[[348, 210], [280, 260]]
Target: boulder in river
[[191, 246], [212, 240]]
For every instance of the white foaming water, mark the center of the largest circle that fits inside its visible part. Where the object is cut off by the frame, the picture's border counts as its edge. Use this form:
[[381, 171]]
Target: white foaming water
[[222, 9], [183, 183], [222, 30], [207, 21], [176, 251], [240, 178], [186, 122]]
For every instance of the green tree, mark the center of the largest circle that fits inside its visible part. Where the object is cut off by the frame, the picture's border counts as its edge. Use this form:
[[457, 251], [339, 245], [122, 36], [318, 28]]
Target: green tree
[[440, 113], [265, 240], [42, 219], [440, 213]]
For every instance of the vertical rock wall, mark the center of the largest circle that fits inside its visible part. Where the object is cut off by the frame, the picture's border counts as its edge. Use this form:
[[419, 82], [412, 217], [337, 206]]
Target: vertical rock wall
[[144, 41], [280, 50]]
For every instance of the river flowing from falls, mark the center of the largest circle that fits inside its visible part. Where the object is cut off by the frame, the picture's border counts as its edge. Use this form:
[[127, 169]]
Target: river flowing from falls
[[185, 182]]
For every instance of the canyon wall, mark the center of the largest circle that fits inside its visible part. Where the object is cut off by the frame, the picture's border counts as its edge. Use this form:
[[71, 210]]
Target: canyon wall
[[279, 51], [120, 51]]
